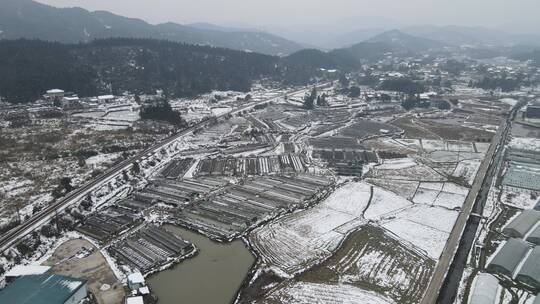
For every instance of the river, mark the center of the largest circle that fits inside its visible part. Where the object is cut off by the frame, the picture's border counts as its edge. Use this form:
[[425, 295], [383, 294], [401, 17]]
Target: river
[[213, 276]]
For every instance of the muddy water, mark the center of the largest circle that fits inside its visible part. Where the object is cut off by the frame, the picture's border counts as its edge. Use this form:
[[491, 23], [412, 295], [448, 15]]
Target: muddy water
[[211, 277]]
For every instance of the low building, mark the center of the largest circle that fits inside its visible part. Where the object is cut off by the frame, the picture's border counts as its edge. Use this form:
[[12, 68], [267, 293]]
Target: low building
[[522, 224], [55, 94], [135, 300], [485, 289], [105, 98], [45, 288], [533, 110], [136, 281], [24, 270], [508, 257], [529, 274]]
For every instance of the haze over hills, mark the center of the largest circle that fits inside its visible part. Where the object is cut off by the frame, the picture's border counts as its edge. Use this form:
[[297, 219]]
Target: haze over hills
[[29, 19]]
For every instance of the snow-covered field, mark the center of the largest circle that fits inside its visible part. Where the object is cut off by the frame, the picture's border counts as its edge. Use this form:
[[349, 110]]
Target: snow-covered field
[[301, 239], [308, 293]]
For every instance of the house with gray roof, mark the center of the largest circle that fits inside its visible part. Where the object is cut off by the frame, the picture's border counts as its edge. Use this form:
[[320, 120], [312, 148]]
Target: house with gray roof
[[521, 224], [508, 257], [534, 236]]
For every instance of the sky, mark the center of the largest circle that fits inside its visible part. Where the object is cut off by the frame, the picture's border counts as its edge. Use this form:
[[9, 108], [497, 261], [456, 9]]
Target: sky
[[514, 15]]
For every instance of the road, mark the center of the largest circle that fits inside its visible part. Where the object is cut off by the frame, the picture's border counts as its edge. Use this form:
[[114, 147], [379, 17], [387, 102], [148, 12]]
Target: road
[[445, 281], [16, 234]]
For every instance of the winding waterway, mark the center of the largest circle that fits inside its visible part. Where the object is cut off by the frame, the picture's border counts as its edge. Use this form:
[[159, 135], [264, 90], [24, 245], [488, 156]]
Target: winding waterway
[[213, 276]]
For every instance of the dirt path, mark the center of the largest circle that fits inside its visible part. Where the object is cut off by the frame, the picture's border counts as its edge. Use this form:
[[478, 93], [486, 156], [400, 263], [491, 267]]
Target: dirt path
[[78, 258]]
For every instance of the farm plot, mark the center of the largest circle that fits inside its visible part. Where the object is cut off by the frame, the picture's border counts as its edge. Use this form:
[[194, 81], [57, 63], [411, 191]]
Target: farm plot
[[467, 170], [446, 195], [299, 240], [405, 170], [235, 210], [430, 241], [372, 259], [403, 188], [365, 129], [307, 293], [149, 248]]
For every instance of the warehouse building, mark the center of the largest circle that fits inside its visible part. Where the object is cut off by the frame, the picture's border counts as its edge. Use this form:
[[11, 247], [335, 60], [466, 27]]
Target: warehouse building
[[508, 257], [485, 289], [45, 288], [24, 270], [529, 274], [522, 224]]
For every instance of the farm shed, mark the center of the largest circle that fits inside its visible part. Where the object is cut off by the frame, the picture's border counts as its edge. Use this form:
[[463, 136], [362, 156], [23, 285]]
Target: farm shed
[[521, 224], [529, 274], [508, 257]]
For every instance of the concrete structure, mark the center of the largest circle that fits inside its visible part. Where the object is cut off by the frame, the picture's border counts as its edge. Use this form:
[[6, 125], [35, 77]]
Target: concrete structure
[[529, 274], [24, 270], [485, 289], [45, 288], [522, 224], [508, 257]]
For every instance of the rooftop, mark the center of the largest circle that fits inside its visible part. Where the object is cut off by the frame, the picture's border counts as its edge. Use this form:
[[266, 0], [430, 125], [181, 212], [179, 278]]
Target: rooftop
[[44, 289], [135, 300], [22, 270]]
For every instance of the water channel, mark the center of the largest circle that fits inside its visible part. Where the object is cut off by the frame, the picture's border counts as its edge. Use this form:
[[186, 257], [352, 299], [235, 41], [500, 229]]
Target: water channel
[[213, 276]]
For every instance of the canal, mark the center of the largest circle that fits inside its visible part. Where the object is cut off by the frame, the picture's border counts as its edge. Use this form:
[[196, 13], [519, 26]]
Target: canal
[[213, 276]]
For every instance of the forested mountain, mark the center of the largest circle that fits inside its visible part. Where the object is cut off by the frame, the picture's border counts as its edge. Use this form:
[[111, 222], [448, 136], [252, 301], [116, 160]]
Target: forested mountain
[[401, 41], [32, 20], [29, 67]]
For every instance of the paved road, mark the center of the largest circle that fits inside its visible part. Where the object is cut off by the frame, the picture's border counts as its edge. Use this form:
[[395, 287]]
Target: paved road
[[13, 236], [464, 219]]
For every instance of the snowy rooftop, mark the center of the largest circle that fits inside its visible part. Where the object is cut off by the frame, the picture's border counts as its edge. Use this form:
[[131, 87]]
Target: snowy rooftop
[[55, 91], [135, 300], [136, 278], [22, 270]]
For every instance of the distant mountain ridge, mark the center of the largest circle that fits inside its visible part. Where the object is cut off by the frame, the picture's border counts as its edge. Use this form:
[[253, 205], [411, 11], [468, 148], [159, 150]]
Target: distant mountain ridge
[[400, 40], [33, 20]]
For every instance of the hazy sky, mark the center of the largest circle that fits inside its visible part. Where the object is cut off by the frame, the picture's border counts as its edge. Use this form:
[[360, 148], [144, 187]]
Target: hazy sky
[[518, 14]]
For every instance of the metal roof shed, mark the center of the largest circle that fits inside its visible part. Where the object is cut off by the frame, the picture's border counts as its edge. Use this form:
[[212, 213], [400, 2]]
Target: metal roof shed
[[44, 289], [521, 224], [529, 274], [534, 236], [508, 257], [485, 289]]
